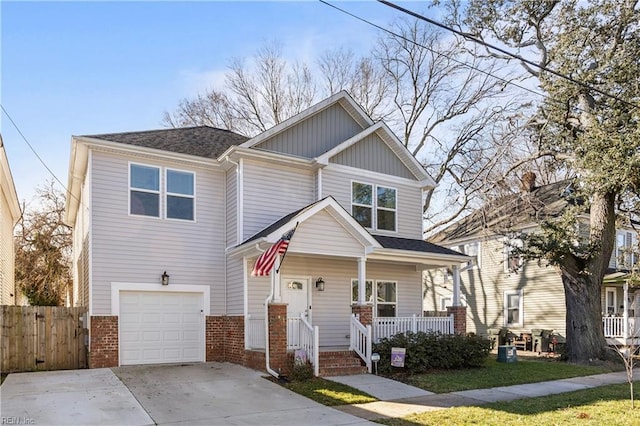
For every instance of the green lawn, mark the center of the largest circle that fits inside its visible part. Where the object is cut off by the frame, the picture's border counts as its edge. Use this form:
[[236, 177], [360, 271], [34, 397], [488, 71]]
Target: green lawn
[[607, 405], [501, 374], [329, 393]]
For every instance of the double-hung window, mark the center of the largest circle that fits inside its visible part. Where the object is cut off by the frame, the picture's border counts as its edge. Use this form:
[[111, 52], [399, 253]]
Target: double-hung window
[[144, 193], [374, 206], [513, 261], [626, 249], [513, 306], [147, 192], [383, 296], [180, 195]]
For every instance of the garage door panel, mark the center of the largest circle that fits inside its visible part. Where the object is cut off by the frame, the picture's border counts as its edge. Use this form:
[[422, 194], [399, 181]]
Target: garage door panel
[[160, 327]]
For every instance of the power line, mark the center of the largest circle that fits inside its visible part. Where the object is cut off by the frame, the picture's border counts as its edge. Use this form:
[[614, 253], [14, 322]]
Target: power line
[[473, 67], [506, 52], [35, 152]]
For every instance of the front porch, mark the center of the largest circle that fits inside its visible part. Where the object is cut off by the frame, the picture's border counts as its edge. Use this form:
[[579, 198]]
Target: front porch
[[621, 309], [364, 330]]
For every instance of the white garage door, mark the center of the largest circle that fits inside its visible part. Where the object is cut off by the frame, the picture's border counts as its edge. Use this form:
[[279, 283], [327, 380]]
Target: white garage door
[[157, 327]]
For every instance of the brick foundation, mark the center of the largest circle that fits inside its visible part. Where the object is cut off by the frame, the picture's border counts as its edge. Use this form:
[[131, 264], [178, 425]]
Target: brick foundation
[[278, 358], [225, 339], [103, 349], [364, 312], [459, 318]]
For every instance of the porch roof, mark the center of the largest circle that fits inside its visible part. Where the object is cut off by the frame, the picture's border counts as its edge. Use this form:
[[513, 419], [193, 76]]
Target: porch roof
[[376, 246]]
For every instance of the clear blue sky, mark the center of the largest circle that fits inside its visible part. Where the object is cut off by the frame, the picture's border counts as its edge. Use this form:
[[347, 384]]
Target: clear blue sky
[[74, 68]]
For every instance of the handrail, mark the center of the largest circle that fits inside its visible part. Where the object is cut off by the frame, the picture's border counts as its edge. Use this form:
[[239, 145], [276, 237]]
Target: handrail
[[360, 340], [309, 341]]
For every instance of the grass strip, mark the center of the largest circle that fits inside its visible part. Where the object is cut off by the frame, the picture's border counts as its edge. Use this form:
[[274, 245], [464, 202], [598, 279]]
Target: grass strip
[[328, 392]]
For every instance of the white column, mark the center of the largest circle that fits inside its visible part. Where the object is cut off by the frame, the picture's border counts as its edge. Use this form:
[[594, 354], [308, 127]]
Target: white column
[[625, 313], [456, 285], [362, 280]]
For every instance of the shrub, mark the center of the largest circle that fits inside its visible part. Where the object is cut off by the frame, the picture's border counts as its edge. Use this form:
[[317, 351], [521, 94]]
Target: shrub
[[301, 371], [426, 351]]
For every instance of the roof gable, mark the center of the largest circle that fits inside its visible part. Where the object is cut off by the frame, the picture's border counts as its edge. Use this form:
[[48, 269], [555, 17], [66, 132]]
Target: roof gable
[[316, 129]]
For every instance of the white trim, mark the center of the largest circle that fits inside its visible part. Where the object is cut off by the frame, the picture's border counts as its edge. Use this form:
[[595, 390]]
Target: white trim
[[240, 200], [374, 206], [375, 298], [376, 176], [324, 158], [505, 300], [89, 181], [8, 186], [245, 287], [319, 177], [366, 302], [507, 243], [117, 287]]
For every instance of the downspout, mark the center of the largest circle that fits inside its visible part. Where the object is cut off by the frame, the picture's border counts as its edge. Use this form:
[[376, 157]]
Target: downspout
[[266, 326]]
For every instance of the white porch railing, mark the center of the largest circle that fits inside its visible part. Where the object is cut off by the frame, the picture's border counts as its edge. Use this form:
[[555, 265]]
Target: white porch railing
[[614, 327], [255, 338], [309, 341], [293, 333], [361, 340], [384, 327]]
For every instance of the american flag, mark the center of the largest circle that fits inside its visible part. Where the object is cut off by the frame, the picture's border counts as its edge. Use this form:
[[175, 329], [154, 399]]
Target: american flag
[[264, 263]]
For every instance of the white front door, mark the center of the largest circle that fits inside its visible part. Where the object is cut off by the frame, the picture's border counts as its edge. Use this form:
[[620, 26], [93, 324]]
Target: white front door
[[295, 292]]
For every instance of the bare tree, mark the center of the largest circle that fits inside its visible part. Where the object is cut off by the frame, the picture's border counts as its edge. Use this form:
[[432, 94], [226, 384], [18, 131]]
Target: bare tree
[[43, 249]]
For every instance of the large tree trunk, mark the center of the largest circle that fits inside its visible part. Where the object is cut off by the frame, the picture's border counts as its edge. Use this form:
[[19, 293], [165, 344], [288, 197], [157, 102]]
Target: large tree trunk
[[582, 280]]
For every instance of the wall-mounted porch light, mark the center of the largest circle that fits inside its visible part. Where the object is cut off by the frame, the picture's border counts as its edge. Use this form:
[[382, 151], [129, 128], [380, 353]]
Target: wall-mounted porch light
[[320, 284], [165, 278]]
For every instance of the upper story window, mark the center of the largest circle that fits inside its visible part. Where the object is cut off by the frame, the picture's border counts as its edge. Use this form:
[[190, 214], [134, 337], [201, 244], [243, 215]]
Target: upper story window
[[626, 249], [180, 195], [144, 182], [513, 261], [374, 206], [146, 191], [472, 250]]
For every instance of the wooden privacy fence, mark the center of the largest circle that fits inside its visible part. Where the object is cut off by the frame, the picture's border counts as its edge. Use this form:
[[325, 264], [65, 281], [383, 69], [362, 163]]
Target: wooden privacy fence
[[42, 338]]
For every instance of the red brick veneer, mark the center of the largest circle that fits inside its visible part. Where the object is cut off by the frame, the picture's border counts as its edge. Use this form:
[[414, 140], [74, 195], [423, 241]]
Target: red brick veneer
[[365, 312], [459, 318], [103, 349]]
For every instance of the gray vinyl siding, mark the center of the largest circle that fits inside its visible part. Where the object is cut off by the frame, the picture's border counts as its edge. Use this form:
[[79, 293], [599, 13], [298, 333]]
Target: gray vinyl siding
[[321, 234], [337, 183], [331, 309], [138, 249], [235, 287], [271, 192], [543, 293], [316, 135], [232, 207], [371, 153]]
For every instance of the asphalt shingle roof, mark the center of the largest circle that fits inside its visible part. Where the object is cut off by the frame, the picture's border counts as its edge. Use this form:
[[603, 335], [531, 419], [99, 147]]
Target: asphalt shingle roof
[[413, 245], [511, 211], [202, 141]]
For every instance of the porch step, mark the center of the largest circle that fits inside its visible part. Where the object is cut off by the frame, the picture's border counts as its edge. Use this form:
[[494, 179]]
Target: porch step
[[340, 363]]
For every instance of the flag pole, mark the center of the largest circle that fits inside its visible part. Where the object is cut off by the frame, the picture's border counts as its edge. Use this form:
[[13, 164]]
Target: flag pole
[[285, 253]]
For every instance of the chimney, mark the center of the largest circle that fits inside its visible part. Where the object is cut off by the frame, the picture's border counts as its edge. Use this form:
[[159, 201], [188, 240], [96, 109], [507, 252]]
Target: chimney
[[528, 182]]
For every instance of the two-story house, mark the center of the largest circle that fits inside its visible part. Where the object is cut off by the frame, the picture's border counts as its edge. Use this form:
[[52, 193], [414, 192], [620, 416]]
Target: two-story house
[[501, 290], [10, 212], [168, 225]]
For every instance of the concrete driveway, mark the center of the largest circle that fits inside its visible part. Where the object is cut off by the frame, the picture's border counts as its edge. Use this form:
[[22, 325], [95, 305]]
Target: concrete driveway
[[194, 394]]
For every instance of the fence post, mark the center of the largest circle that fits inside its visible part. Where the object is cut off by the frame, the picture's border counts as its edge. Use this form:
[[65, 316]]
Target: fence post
[[414, 324]]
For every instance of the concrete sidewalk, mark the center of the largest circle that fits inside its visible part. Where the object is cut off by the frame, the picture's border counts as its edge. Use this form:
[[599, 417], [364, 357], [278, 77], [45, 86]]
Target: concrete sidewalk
[[398, 399]]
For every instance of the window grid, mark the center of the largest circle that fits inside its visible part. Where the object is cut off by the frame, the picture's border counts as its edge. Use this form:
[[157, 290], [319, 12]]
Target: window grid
[[380, 217]]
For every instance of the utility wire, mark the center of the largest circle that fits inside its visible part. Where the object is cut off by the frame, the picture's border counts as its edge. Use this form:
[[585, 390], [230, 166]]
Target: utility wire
[[35, 152], [506, 52], [473, 67]]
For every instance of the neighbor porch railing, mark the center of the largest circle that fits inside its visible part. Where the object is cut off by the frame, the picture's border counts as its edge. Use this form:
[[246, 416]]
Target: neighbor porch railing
[[255, 338], [361, 340], [614, 327], [384, 327]]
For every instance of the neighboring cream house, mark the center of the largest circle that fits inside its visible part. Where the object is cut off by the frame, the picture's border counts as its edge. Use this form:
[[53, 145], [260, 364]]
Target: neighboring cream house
[[168, 224], [501, 290], [9, 215]]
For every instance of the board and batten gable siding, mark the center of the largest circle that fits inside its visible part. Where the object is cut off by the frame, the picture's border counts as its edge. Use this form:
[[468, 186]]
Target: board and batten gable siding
[[543, 303], [7, 255], [138, 249], [271, 192], [337, 183], [371, 153], [315, 135], [331, 309]]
